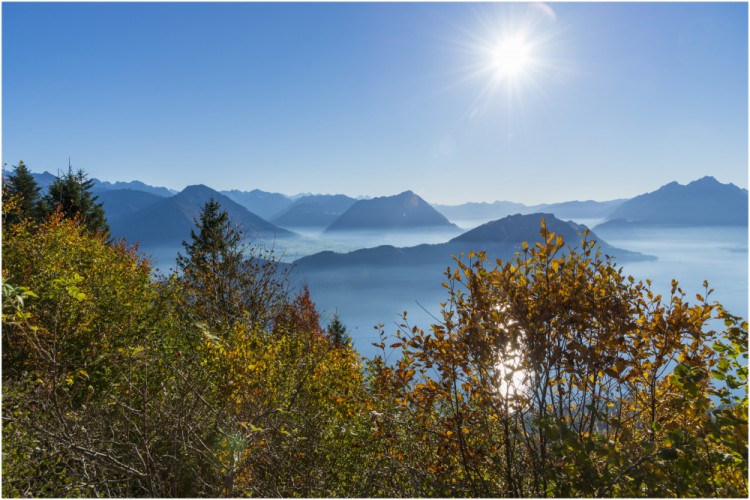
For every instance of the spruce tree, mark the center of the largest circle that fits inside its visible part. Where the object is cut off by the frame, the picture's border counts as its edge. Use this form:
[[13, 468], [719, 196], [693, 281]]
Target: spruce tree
[[71, 194], [338, 332], [21, 185], [212, 267], [227, 281]]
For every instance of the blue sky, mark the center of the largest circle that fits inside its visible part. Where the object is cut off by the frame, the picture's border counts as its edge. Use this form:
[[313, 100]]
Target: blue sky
[[373, 99]]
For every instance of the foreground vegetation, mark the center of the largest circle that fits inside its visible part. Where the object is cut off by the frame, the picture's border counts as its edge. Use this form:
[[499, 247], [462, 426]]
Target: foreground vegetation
[[550, 375]]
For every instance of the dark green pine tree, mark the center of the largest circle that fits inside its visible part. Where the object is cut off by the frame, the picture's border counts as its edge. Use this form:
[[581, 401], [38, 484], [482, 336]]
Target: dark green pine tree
[[212, 267], [22, 185], [71, 194], [337, 331]]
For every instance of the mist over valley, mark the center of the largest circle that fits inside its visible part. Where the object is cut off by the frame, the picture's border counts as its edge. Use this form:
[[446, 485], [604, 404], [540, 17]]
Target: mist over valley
[[369, 262]]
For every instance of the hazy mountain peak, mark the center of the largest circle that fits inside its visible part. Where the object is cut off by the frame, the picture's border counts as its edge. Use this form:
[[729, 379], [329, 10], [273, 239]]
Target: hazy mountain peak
[[197, 188], [670, 186], [314, 211], [196, 195], [401, 211], [171, 220], [104, 186], [703, 202], [519, 227], [705, 180], [259, 202]]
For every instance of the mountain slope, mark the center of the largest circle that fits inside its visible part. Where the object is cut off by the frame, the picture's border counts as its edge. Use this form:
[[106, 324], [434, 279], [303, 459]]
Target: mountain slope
[[121, 202], [517, 228], [170, 221], [588, 209], [481, 210], [314, 211], [704, 202], [402, 211], [259, 202], [500, 239], [104, 186], [45, 179], [484, 212]]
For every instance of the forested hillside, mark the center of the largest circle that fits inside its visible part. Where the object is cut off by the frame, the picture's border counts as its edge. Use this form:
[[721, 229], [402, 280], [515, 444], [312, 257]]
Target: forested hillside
[[549, 375]]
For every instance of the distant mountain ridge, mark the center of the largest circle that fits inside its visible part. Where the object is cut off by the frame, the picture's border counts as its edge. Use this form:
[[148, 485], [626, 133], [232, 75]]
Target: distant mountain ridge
[[481, 210], [500, 239], [587, 209], [45, 180], [170, 220], [121, 202], [103, 186], [703, 202], [259, 202], [517, 228], [314, 210], [402, 211]]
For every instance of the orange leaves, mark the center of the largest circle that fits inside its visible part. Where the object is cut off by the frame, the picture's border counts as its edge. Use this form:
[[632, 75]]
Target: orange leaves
[[594, 348]]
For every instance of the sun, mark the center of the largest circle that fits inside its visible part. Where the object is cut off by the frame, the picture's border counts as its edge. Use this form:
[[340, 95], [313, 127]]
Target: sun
[[512, 54], [511, 57]]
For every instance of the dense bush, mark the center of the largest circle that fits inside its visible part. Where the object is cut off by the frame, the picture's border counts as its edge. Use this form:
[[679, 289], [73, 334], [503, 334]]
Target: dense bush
[[556, 375]]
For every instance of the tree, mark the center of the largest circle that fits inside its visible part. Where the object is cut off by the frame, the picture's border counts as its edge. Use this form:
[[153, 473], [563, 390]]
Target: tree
[[337, 331], [21, 184], [296, 421], [211, 267], [226, 281], [104, 389], [115, 385], [83, 343], [71, 194], [554, 374]]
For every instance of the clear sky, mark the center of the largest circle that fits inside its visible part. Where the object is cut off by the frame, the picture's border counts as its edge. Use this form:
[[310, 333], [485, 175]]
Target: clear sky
[[455, 101]]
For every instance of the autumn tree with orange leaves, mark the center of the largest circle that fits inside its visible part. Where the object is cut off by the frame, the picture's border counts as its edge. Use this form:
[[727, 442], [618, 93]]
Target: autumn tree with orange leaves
[[554, 374]]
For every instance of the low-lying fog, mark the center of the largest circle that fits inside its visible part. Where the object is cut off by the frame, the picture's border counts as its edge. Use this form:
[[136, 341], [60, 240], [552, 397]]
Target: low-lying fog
[[317, 240], [367, 296]]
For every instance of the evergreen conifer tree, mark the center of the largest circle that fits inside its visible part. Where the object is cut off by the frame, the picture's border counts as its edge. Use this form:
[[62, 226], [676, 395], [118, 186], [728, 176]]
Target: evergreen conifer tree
[[211, 266], [337, 331], [225, 280], [72, 194], [21, 184]]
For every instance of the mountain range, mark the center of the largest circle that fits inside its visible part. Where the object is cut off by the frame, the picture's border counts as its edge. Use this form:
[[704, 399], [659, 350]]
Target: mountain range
[[121, 202], [259, 202], [704, 202], [45, 179], [169, 221], [155, 215], [482, 211], [500, 239], [104, 186], [314, 211]]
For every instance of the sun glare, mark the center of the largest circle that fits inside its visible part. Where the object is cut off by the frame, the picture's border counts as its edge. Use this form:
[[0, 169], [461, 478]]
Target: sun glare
[[511, 57], [512, 50]]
